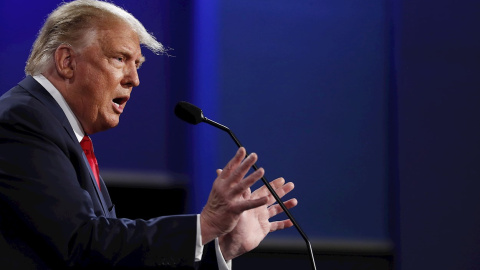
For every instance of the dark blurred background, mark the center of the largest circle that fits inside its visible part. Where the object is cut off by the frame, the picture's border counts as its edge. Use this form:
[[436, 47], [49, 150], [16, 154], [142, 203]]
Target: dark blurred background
[[371, 107]]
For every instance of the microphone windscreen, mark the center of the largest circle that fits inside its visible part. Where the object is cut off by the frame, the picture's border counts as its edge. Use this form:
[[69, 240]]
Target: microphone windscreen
[[188, 112]]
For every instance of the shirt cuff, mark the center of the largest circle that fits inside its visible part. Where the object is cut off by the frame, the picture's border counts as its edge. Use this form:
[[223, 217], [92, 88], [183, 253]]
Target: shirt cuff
[[198, 246], [222, 264]]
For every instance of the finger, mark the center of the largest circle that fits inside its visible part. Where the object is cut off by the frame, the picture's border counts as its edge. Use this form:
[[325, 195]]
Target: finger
[[250, 204], [263, 190], [247, 194], [248, 181], [234, 162], [280, 225], [282, 191], [240, 172], [277, 209], [277, 186]]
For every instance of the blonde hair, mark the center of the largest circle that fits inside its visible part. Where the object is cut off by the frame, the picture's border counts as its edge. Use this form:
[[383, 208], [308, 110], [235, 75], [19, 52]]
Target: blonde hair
[[69, 23]]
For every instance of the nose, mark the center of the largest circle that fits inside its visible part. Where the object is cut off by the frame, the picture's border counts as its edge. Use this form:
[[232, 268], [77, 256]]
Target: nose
[[130, 78]]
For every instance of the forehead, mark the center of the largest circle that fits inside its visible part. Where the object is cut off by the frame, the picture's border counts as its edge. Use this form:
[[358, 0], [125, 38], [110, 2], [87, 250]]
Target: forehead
[[118, 37]]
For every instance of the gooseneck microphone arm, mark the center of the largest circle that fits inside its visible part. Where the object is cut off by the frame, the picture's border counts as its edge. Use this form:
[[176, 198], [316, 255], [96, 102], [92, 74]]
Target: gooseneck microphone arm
[[194, 115], [226, 129]]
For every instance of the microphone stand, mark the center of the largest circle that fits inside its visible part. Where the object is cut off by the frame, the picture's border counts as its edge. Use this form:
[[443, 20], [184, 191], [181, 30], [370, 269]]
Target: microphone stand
[[279, 201]]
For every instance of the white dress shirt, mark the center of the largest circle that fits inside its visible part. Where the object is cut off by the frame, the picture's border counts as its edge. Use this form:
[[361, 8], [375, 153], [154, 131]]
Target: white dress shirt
[[79, 133]]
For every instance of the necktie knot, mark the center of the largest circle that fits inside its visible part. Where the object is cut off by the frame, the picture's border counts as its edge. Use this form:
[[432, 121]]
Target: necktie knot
[[87, 147]]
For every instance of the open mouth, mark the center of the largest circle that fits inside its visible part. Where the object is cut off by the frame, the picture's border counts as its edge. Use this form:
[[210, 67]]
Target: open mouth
[[119, 103]]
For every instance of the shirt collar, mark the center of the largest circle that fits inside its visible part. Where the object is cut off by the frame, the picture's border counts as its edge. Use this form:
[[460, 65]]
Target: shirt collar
[[72, 119]]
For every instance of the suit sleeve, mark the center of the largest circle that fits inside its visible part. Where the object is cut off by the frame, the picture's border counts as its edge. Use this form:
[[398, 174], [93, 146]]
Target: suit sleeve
[[50, 215]]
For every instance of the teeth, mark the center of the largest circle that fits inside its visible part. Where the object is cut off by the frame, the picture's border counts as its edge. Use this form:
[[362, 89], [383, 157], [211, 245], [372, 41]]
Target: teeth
[[118, 105]]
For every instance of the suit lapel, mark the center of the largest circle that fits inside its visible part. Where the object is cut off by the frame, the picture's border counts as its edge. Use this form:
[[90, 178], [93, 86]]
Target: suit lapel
[[97, 189], [37, 90]]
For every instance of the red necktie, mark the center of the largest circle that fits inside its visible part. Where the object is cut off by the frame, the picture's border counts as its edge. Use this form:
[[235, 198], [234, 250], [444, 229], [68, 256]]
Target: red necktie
[[87, 147]]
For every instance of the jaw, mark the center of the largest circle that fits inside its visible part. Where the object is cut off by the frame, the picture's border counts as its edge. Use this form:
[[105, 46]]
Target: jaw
[[101, 121]]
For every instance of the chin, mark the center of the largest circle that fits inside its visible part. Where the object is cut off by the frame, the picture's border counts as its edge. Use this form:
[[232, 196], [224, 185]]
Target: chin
[[102, 127], [110, 125]]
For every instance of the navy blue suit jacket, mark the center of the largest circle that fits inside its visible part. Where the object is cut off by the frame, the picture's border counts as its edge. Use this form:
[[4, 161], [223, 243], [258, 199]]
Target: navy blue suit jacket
[[53, 215]]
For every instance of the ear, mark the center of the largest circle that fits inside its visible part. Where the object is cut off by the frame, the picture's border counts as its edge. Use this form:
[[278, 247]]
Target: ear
[[65, 61]]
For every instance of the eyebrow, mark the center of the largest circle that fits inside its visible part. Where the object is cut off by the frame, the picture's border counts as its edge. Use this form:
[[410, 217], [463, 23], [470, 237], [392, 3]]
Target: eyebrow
[[140, 61]]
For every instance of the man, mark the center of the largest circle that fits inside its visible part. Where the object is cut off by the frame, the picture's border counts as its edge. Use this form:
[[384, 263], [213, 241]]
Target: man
[[55, 212]]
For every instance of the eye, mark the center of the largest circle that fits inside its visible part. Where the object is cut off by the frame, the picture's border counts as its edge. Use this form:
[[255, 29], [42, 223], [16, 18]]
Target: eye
[[120, 59]]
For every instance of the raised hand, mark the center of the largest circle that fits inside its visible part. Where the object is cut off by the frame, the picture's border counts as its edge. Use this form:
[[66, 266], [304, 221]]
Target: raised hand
[[230, 197], [254, 224]]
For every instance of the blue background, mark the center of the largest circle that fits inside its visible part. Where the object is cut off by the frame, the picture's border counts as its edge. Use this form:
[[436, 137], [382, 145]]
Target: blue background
[[370, 107]]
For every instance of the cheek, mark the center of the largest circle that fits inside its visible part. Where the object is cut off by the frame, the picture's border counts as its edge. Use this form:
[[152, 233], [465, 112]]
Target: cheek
[[99, 85], [95, 86]]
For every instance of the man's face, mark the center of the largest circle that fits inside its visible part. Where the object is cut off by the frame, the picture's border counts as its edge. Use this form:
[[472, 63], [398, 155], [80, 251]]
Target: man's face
[[105, 73]]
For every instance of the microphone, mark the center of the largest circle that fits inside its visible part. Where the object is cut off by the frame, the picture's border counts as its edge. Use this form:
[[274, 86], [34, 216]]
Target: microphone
[[194, 115]]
